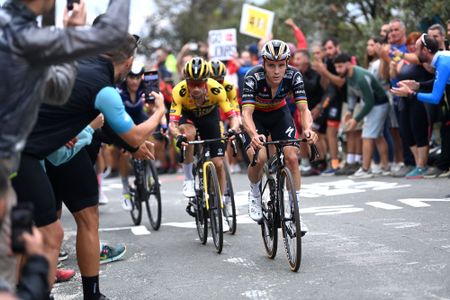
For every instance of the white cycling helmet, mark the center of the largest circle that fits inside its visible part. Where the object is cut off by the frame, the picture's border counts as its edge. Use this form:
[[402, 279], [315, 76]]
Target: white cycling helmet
[[275, 50]]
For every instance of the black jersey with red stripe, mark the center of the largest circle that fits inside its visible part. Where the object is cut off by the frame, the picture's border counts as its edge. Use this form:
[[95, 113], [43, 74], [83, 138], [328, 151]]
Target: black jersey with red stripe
[[257, 93]]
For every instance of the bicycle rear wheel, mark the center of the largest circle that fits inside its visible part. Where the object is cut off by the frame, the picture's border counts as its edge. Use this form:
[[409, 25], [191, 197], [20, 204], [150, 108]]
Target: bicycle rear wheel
[[229, 209], [290, 222], [269, 223], [215, 210], [153, 199]]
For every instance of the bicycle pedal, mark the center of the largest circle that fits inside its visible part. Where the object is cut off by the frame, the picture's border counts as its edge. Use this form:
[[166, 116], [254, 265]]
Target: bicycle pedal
[[190, 211]]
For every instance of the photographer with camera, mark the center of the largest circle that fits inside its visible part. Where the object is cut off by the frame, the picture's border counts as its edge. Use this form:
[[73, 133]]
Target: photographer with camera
[[139, 104], [33, 283]]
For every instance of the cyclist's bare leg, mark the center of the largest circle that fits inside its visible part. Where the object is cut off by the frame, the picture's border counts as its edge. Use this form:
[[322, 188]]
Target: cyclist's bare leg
[[291, 159], [255, 173], [189, 131], [88, 244], [220, 169]]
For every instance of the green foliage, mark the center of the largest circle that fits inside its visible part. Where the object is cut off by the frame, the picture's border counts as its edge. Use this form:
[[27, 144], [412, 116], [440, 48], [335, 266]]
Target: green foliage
[[352, 22]]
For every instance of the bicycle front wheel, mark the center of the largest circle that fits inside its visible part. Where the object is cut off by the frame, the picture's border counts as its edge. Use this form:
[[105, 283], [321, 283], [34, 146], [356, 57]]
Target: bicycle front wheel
[[229, 206], [290, 220], [269, 224], [215, 210], [153, 201], [136, 205]]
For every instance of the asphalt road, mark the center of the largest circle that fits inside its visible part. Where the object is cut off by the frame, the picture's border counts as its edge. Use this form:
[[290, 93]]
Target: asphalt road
[[380, 238]]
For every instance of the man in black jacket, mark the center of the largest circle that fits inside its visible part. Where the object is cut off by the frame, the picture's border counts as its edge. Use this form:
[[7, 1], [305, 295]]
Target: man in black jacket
[[38, 65]]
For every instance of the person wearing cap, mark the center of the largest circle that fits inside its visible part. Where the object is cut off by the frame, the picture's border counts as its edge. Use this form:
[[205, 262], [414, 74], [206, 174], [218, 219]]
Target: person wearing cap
[[132, 92], [264, 112]]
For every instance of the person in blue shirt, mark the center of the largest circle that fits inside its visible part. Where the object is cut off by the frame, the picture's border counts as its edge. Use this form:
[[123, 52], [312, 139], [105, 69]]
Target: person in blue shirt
[[427, 52]]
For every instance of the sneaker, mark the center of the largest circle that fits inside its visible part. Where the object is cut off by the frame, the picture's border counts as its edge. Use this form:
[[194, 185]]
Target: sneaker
[[63, 275], [346, 170], [311, 171], [63, 255], [385, 172], [188, 188], [376, 169], [126, 202], [102, 200], [433, 172], [445, 174], [329, 172], [110, 254], [254, 207], [402, 171], [416, 173], [361, 174], [235, 169]]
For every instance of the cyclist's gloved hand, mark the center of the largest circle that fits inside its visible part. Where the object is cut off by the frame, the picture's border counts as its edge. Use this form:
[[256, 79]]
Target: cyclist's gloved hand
[[230, 133], [181, 139]]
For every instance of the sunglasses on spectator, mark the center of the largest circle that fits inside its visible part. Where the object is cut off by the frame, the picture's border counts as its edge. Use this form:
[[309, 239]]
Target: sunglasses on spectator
[[135, 77]]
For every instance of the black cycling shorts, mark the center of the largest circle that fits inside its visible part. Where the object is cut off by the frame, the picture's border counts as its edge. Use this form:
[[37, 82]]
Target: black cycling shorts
[[74, 182], [278, 124], [208, 127], [32, 185]]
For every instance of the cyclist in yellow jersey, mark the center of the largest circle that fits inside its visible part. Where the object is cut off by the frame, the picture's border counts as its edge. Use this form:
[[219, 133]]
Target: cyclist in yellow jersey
[[195, 106], [217, 71]]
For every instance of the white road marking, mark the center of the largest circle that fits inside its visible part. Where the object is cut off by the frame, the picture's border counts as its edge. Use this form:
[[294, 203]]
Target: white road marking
[[383, 205], [331, 210], [401, 225], [140, 230], [420, 202]]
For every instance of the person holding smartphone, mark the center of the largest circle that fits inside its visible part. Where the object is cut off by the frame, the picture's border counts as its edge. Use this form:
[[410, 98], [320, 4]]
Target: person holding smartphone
[[33, 283], [139, 103]]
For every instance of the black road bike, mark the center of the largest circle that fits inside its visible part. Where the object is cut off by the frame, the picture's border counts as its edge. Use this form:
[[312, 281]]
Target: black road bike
[[279, 203]]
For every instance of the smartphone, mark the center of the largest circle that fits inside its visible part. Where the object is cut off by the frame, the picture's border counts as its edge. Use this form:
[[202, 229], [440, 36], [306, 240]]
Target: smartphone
[[21, 221], [151, 84], [70, 4], [193, 46]]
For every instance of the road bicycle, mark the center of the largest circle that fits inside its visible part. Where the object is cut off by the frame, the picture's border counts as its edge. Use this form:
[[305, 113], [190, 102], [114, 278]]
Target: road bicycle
[[207, 205], [279, 203]]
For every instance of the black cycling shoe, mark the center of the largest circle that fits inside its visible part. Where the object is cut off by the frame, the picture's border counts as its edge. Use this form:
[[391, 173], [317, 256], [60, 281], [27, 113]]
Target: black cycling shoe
[[190, 209], [103, 297]]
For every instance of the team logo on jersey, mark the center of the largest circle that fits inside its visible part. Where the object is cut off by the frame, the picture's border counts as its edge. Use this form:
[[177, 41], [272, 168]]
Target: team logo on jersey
[[289, 131], [183, 92], [250, 82], [215, 91], [297, 79]]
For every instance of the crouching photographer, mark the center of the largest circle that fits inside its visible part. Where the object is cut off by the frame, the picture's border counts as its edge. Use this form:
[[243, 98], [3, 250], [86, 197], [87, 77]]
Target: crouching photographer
[[17, 235]]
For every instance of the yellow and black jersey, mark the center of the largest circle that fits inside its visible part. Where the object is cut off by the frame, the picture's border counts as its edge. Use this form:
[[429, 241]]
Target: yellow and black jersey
[[231, 91], [183, 102]]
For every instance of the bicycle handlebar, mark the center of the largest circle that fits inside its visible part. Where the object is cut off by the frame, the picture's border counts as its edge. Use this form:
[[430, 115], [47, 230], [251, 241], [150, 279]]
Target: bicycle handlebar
[[313, 155], [202, 142]]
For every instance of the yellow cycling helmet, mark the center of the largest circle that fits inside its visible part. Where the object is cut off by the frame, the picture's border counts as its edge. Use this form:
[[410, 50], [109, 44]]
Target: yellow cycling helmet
[[217, 68], [196, 69]]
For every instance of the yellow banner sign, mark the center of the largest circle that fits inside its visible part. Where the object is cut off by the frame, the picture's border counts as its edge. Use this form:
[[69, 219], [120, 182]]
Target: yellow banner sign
[[255, 21]]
